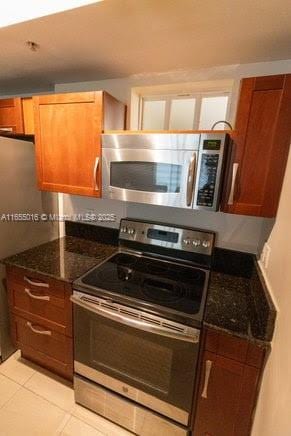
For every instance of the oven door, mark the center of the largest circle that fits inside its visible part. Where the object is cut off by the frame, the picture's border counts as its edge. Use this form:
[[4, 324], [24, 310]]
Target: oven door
[[162, 177], [133, 355]]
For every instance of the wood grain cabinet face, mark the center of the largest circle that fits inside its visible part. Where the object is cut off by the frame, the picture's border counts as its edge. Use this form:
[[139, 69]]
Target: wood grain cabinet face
[[11, 118], [68, 131], [218, 403], [16, 115], [227, 389], [261, 145], [41, 319]]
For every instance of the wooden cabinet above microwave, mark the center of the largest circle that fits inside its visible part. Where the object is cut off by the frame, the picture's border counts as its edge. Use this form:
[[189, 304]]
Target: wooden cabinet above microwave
[[68, 131], [16, 115], [261, 144]]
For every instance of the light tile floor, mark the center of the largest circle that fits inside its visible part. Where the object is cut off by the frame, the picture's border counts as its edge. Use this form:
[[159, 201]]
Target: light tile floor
[[34, 402]]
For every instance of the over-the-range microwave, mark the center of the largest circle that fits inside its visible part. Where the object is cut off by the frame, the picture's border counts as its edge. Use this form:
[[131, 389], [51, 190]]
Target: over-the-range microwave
[[168, 169]]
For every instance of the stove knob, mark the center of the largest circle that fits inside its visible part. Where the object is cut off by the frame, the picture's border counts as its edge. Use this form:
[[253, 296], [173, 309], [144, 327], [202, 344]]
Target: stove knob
[[123, 229], [206, 244], [187, 241], [196, 242], [131, 231]]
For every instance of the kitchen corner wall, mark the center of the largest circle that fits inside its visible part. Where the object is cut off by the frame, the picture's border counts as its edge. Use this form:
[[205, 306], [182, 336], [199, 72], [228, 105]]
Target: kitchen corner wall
[[234, 232], [273, 411]]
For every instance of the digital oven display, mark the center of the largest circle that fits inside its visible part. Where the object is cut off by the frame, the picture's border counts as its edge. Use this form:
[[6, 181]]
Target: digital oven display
[[211, 144], [162, 235]]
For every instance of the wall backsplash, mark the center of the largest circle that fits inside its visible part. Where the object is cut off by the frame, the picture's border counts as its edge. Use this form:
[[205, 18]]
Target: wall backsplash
[[233, 231]]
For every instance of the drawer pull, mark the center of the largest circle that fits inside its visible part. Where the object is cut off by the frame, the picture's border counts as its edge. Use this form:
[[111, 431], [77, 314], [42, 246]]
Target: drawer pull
[[208, 366], [36, 297], [40, 284], [38, 332]]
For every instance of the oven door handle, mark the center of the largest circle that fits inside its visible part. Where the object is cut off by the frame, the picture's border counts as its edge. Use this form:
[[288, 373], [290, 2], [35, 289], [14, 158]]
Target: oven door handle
[[136, 323], [191, 180]]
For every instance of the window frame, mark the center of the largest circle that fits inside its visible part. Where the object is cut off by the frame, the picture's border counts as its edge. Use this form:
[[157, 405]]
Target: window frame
[[197, 95]]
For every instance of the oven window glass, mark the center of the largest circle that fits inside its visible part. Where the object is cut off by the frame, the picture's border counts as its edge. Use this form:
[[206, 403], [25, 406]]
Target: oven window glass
[[146, 176], [120, 350], [161, 366]]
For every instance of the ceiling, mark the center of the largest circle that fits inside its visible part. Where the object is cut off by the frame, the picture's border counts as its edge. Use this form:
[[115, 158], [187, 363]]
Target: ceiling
[[117, 38]]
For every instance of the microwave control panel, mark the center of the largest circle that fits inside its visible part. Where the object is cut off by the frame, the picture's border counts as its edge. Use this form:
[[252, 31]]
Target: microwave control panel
[[207, 179], [209, 171]]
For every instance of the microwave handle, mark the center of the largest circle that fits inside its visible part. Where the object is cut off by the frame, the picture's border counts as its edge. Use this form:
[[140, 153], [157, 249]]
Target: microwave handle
[[136, 323], [190, 180]]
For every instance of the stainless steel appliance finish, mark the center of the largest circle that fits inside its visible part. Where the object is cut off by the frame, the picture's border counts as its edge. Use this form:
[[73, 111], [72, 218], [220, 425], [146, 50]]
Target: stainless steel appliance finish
[[184, 239], [126, 413], [19, 195], [136, 318], [179, 170], [143, 342]]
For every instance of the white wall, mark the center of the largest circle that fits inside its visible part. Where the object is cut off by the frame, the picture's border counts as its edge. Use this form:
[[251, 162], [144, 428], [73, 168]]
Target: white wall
[[237, 232], [273, 416]]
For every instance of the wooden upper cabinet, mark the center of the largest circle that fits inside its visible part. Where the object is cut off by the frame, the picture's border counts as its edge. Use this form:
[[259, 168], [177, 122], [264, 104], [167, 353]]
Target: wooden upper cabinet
[[11, 115], [260, 147], [68, 131], [16, 115]]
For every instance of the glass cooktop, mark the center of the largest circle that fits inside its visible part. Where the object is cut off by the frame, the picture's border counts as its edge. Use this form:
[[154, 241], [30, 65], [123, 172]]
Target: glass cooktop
[[174, 286]]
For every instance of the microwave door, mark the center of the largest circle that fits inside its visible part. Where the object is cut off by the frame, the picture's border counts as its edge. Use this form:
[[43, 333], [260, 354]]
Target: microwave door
[[161, 177]]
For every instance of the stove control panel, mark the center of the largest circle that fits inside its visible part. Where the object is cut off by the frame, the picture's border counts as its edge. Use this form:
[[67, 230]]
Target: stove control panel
[[167, 236]]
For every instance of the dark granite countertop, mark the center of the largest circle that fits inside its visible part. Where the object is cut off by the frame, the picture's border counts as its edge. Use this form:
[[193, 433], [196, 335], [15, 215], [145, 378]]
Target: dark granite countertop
[[240, 306], [238, 302], [65, 259]]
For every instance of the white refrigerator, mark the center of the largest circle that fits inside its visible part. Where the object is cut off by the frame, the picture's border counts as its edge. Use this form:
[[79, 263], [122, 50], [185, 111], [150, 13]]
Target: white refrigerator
[[19, 195]]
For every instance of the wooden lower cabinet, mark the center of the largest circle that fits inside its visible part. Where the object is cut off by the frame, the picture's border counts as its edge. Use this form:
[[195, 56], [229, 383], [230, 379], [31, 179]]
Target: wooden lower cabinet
[[228, 388], [44, 346], [41, 319]]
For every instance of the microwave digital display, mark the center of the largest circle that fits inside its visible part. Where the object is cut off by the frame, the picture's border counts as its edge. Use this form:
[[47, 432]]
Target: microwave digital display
[[211, 144]]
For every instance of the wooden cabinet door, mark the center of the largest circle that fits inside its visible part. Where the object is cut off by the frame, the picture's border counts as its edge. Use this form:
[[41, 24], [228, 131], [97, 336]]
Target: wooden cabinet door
[[261, 144], [67, 138], [11, 115], [218, 401], [226, 397]]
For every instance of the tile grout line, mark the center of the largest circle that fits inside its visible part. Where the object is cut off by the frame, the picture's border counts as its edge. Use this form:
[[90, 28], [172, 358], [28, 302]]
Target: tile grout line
[[63, 424], [85, 422], [13, 395], [46, 399], [11, 379]]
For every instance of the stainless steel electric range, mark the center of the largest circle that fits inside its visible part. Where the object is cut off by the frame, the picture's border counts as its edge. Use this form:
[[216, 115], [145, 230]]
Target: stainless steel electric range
[[137, 322]]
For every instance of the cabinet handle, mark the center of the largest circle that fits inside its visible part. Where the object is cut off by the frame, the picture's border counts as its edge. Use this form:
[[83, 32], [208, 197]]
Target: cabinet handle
[[190, 180], [39, 284], [233, 180], [36, 297], [95, 173], [208, 366], [38, 332]]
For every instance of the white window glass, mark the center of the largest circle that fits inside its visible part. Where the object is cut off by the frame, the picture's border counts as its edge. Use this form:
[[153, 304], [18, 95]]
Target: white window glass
[[213, 109], [182, 113], [153, 115]]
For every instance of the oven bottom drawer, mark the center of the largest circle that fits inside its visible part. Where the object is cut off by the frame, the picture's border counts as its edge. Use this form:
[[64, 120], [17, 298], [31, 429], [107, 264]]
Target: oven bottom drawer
[[138, 396], [135, 418]]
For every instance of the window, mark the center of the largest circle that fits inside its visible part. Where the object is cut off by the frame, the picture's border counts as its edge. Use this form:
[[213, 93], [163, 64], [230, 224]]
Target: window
[[197, 111]]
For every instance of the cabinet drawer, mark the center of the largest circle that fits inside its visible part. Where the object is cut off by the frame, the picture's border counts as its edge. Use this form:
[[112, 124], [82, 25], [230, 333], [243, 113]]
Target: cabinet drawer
[[44, 346], [41, 305], [36, 281]]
